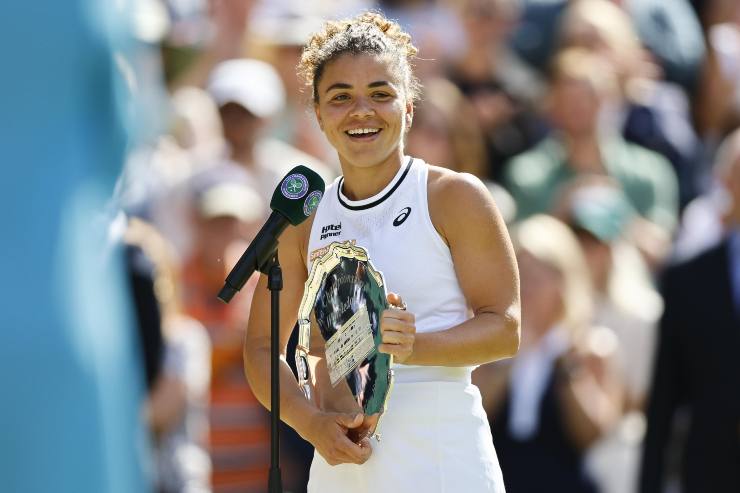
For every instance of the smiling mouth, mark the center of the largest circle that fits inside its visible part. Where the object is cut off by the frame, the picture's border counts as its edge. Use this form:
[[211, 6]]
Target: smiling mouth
[[363, 133]]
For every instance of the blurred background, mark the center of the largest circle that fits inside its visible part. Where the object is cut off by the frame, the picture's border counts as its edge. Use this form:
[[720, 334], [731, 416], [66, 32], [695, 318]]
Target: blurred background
[[142, 140]]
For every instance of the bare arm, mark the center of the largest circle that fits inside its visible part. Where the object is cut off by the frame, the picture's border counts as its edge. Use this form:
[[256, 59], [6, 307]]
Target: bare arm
[[325, 431], [466, 217]]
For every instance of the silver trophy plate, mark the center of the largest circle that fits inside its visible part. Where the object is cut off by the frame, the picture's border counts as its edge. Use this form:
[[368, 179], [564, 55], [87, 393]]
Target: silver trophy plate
[[343, 300]]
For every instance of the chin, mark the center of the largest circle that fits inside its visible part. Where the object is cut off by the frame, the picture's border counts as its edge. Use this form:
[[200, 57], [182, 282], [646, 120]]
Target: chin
[[364, 160]]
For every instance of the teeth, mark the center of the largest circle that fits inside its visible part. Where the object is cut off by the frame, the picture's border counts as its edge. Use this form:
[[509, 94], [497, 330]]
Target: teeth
[[359, 131]]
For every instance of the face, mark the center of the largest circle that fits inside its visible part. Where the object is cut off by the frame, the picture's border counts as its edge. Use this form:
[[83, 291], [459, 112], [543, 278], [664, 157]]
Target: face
[[541, 292], [240, 126], [574, 106], [363, 110], [598, 256], [488, 22]]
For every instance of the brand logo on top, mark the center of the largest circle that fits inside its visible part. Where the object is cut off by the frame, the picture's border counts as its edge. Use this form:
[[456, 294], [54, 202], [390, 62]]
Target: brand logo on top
[[312, 202], [294, 186], [402, 216], [330, 231]]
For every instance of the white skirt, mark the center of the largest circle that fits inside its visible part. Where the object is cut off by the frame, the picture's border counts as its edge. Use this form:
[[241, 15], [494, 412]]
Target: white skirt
[[435, 438]]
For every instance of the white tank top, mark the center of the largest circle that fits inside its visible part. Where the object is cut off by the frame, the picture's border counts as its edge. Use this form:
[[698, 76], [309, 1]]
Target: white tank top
[[395, 228]]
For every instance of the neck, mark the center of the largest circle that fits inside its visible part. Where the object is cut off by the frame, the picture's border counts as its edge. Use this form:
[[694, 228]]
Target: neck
[[364, 182], [584, 153], [243, 155]]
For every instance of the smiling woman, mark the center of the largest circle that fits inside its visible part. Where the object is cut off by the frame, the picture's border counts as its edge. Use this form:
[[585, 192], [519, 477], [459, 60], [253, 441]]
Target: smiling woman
[[363, 88], [439, 241]]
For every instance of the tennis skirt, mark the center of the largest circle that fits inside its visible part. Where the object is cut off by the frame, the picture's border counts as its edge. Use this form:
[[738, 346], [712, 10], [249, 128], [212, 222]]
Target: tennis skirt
[[435, 438]]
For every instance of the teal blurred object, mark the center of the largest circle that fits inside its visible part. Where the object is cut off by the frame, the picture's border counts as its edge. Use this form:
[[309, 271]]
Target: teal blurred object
[[70, 373]]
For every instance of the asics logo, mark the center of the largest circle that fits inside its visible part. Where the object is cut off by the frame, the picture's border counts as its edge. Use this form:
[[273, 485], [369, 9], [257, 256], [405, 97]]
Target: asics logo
[[405, 212]]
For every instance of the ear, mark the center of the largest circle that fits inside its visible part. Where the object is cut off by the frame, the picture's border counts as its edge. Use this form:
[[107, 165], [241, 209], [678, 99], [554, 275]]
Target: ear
[[409, 113]]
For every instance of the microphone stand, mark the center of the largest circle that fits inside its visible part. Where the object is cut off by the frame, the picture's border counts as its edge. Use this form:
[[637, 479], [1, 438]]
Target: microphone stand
[[275, 285]]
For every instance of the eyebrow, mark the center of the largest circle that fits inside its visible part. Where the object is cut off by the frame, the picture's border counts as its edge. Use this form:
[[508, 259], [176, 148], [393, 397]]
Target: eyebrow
[[344, 85]]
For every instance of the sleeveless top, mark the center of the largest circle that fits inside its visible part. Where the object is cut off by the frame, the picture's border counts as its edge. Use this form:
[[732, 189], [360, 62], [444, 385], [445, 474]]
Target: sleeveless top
[[395, 228]]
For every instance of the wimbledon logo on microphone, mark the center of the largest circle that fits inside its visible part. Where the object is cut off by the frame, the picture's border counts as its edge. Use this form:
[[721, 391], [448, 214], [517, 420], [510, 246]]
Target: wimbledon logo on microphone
[[294, 186], [312, 202]]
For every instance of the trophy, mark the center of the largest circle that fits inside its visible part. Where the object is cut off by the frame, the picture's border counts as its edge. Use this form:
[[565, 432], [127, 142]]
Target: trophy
[[344, 299]]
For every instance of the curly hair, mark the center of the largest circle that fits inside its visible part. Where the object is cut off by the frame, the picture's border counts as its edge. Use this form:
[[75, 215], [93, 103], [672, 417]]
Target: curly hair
[[367, 33]]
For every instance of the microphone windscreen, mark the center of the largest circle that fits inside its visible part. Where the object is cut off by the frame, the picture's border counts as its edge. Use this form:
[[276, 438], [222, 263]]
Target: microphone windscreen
[[298, 194]]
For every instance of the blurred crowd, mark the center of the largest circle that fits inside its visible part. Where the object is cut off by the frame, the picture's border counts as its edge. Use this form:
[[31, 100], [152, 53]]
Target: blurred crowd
[[608, 132]]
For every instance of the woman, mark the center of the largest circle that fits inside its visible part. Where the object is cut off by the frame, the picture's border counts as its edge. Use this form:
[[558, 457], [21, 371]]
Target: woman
[[445, 254], [561, 394]]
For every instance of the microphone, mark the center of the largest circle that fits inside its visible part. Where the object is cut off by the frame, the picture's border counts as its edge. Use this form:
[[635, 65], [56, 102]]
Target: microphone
[[293, 201]]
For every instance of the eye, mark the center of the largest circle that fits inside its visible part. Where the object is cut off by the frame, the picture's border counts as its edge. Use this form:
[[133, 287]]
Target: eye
[[381, 96], [340, 97]]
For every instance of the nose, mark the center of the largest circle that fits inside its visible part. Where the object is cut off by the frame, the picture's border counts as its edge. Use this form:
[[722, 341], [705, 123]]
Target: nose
[[363, 108]]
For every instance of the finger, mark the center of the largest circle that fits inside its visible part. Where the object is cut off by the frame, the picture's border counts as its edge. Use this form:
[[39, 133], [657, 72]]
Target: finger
[[395, 337], [395, 325], [366, 448], [394, 314], [349, 420], [350, 451]]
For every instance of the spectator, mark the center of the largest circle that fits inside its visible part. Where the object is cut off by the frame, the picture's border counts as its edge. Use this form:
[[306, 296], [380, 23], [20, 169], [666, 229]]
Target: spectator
[[717, 102], [535, 35], [502, 88], [282, 37], [226, 216], [583, 142], [697, 367], [600, 215], [424, 20], [649, 111], [445, 130], [706, 220], [626, 303], [249, 93], [561, 393], [673, 34], [177, 408]]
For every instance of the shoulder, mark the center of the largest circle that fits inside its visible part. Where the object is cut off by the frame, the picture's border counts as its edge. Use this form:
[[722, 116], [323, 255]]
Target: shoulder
[[533, 167], [458, 201], [449, 187], [641, 161]]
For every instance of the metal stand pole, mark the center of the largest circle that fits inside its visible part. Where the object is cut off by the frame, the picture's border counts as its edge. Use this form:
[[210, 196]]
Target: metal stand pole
[[275, 284]]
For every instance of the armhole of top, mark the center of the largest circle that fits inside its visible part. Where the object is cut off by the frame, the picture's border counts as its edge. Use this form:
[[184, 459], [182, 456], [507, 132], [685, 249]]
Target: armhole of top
[[424, 198]]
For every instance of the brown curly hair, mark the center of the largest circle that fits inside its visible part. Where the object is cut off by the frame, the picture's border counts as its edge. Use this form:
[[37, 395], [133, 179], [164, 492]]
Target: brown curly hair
[[367, 33]]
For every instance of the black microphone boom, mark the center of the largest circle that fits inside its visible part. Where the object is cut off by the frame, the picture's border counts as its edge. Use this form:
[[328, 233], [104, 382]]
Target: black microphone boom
[[259, 252], [294, 200]]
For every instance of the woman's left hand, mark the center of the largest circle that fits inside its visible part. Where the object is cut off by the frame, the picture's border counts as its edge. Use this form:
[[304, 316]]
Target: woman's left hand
[[398, 329]]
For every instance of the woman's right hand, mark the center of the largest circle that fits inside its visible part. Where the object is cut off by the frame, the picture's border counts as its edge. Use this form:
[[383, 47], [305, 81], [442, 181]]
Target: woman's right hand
[[328, 434]]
